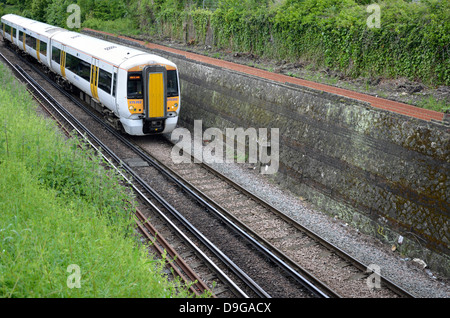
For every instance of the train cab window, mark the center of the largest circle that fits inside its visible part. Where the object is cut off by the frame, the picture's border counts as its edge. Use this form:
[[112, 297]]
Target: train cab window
[[43, 48], [134, 85], [172, 83], [56, 54]]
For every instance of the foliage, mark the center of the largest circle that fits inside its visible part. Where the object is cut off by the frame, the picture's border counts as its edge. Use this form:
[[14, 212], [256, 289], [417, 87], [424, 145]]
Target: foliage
[[103, 10], [126, 26]]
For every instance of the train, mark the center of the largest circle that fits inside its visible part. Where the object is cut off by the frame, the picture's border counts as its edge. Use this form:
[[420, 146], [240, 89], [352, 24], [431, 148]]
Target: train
[[137, 92]]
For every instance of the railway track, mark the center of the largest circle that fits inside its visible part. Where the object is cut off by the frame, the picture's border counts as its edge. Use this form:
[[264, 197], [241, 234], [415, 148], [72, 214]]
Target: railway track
[[287, 242], [289, 284], [162, 246]]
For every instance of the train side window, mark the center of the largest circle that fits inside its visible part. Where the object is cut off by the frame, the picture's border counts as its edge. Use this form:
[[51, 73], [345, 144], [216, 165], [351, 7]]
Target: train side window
[[31, 41], [43, 48], [104, 81], [7, 29], [56, 54], [78, 66], [71, 62], [84, 70], [134, 85], [14, 33], [172, 83], [20, 36]]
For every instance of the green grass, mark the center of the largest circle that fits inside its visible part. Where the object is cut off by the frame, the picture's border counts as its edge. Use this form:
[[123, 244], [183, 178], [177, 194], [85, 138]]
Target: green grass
[[59, 206], [432, 103]]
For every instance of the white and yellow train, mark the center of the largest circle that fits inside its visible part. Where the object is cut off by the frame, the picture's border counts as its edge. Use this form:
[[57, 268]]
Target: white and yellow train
[[136, 91]]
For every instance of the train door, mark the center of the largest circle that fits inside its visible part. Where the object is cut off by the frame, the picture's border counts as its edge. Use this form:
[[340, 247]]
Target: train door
[[21, 42], [62, 61], [38, 49], [14, 36], [94, 78], [155, 96]]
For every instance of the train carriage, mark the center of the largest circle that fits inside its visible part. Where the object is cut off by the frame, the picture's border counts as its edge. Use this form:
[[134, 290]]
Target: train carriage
[[137, 91]]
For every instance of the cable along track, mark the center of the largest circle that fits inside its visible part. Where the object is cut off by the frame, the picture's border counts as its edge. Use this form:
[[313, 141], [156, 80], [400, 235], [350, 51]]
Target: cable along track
[[294, 285]]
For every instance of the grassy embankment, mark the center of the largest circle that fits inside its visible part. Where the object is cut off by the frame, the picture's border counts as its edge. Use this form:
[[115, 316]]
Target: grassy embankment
[[59, 207]]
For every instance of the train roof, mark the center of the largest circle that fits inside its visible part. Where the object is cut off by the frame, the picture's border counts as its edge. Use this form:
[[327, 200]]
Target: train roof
[[101, 49], [110, 52]]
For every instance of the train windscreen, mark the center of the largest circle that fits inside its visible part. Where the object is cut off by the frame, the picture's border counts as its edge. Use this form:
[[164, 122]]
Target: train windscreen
[[172, 83], [134, 86]]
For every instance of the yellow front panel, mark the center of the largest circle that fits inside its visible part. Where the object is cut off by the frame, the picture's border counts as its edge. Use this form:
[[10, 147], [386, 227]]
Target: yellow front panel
[[155, 95], [136, 106], [172, 104]]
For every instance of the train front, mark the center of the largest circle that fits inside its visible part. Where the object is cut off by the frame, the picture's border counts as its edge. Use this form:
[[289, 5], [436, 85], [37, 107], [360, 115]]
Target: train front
[[152, 98]]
